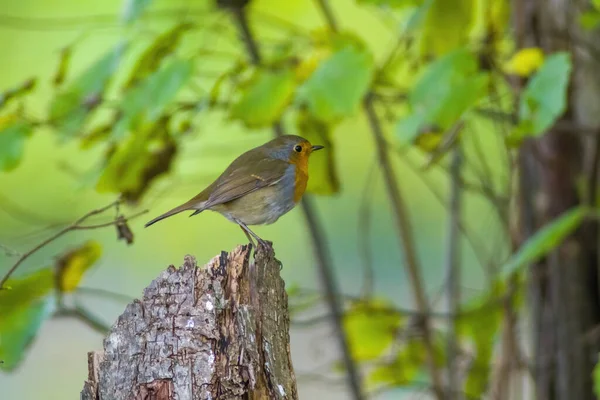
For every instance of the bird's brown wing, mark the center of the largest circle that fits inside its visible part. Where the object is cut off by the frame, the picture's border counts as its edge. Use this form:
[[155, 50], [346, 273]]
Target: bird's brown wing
[[243, 177]]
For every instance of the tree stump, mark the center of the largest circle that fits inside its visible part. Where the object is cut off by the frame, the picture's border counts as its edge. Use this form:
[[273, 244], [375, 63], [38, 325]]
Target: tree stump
[[218, 332]]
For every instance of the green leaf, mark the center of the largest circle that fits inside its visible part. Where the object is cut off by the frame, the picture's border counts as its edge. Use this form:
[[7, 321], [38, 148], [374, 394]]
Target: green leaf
[[371, 328], [409, 363], [146, 102], [264, 97], [338, 84], [134, 9], [545, 240], [596, 377], [23, 307], [415, 18], [324, 179], [544, 99], [447, 25], [12, 144], [152, 57], [403, 370], [480, 323], [138, 160], [589, 20], [448, 88], [70, 109]]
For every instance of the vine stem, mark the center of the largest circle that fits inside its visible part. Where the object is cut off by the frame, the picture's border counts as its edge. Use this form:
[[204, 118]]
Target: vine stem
[[318, 239], [406, 241], [453, 269], [401, 219]]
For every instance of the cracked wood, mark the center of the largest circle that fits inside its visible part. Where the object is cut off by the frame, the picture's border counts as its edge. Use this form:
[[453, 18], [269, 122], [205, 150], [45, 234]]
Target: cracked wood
[[218, 332]]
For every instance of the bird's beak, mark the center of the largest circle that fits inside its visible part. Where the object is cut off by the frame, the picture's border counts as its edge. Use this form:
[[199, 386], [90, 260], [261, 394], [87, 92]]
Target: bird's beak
[[317, 147]]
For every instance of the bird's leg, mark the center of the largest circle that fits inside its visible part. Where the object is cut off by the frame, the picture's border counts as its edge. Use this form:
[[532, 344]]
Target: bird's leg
[[249, 237], [254, 235]]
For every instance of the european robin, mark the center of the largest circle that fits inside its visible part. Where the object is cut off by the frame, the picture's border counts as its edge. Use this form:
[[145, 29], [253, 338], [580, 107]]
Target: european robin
[[258, 187]]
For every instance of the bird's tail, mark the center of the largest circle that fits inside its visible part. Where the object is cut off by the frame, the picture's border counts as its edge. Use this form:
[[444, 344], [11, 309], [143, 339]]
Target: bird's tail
[[176, 210]]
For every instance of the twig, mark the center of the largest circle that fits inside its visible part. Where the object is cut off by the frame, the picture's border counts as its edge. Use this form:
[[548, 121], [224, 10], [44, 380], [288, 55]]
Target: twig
[[439, 197], [82, 314], [453, 271], [104, 293], [393, 310], [328, 14], [316, 233], [105, 224], [406, 239], [402, 224], [364, 223], [509, 354], [74, 226]]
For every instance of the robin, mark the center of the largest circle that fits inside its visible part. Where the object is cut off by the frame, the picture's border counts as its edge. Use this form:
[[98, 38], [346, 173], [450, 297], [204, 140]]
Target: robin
[[258, 187]]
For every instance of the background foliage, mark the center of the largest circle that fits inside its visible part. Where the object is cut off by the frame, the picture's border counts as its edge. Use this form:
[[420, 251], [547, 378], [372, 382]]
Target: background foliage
[[150, 104]]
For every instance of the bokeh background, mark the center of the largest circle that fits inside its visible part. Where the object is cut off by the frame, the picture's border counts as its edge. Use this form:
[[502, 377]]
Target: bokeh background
[[52, 186]]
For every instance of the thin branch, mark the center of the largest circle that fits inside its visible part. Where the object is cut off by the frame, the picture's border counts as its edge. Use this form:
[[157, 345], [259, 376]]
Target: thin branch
[[439, 197], [324, 264], [509, 354], [406, 239], [246, 35], [402, 223], [364, 225], [81, 314], [74, 226], [328, 14], [489, 305], [105, 224], [453, 270], [104, 293]]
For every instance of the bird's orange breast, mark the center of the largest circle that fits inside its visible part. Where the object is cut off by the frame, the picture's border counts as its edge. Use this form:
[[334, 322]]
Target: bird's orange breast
[[301, 178]]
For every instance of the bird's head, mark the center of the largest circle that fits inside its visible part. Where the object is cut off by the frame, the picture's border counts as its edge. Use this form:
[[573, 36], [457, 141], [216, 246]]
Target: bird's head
[[291, 148]]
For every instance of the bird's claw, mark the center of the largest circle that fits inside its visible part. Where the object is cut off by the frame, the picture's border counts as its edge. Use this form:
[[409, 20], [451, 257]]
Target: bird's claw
[[266, 244]]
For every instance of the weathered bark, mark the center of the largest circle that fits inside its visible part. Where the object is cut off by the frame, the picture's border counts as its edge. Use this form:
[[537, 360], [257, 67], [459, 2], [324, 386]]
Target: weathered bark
[[563, 287], [218, 332]]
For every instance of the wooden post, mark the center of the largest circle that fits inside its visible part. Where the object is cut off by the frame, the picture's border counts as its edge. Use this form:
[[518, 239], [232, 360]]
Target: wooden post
[[218, 332]]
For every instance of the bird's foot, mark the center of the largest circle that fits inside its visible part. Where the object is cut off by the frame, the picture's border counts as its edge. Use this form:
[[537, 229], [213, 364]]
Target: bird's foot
[[266, 244]]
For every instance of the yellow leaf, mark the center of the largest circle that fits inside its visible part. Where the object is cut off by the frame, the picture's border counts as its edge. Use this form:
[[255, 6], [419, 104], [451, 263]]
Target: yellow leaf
[[525, 62], [72, 265], [430, 140], [371, 328], [308, 64], [448, 24]]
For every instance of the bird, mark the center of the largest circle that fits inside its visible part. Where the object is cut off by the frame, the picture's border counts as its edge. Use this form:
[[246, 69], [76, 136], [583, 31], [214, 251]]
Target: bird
[[258, 187]]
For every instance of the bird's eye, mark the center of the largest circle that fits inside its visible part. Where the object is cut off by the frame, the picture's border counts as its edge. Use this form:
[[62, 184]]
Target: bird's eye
[[298, 148]]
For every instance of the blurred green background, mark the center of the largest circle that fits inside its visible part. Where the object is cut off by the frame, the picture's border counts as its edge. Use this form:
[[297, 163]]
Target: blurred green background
[[52, 185]]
